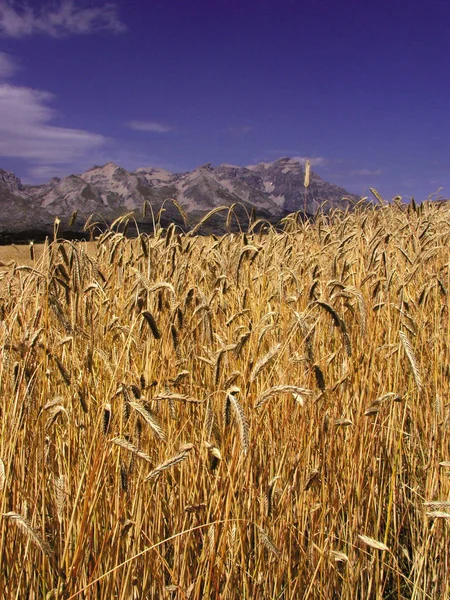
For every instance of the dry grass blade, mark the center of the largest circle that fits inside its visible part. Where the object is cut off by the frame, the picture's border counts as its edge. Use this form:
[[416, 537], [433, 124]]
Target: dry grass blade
[[264, 362], [211, 539], [171, 462], [149, 418], [412, 359], [373, 543], [438, 514], [123, 443]]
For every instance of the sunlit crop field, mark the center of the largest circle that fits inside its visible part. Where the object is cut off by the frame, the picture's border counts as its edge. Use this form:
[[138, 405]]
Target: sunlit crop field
[[260, 415]]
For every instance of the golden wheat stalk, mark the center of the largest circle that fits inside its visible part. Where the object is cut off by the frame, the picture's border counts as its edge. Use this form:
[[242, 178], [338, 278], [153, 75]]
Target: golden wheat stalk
[[59, 483], [282, 389], [438, 504], [412, 359], [319, 376], [177, 397], [268, 499], [152, 323], [171, 462], [29, 532], [149, 418], [267, 541], [350, 289], [438, 514], [373, 543], [214, 456], [107, 416], [123, 443], [307, 173], [241, 418], [339, 556], [339, 323], [264, 362], [203, 220]]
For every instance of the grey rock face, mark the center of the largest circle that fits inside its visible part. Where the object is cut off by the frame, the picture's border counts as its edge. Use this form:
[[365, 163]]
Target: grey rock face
[[274, 189]]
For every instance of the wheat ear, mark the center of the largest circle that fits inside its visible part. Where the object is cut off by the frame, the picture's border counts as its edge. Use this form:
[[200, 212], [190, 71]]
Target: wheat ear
[[170, 462], [412, 359]]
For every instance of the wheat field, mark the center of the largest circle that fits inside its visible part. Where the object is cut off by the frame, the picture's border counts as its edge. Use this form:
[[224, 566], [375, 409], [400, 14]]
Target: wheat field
[[262, 415]]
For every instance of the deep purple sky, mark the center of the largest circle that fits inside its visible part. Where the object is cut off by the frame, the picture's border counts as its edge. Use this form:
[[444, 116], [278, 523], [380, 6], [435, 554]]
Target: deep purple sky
[[362, 87]]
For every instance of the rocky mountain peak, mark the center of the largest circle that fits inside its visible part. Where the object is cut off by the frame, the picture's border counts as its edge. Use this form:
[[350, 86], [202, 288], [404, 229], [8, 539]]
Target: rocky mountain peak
[[9, 181], [273, 189]]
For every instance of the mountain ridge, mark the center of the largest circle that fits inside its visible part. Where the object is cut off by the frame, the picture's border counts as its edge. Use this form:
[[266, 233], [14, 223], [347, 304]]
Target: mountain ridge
[[272, 189]]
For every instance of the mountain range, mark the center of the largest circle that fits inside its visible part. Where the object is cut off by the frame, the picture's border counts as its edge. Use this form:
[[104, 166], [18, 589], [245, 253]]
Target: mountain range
[[272, 189]]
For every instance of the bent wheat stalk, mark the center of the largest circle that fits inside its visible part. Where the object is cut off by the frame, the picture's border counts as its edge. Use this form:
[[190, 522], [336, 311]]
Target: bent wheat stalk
[[171, 462]]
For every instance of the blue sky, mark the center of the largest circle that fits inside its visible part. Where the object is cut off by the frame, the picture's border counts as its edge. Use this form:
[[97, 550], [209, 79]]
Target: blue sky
[[361, 88]]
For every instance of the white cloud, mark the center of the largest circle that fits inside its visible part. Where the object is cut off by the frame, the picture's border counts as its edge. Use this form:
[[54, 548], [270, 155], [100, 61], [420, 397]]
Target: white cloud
[[317, 161], [57, 20], [149, 126], [40, 173], [366, 172], [118, 153], [26, 132], [7, 66]]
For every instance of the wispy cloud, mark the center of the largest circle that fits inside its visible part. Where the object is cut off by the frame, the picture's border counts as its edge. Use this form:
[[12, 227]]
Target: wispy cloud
[[7, 66], [39, 173], [57, 20], [366, 172], [26, 130], [151, 126], [112, 151], [316, 161]]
